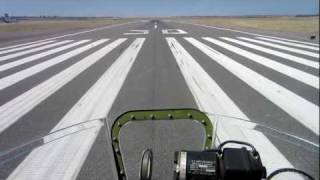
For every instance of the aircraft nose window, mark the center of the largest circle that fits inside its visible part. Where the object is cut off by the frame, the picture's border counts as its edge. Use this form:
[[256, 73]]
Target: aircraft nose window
[[232, 71]]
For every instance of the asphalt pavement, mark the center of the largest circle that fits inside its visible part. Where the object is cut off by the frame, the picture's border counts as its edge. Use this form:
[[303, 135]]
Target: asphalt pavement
[[49, 83]]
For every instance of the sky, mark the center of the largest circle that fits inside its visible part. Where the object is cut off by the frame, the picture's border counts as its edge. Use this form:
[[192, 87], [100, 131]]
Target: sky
[[157, 7]]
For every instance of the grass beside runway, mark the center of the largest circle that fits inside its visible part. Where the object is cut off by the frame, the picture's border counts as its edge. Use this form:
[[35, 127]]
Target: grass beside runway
[[30, 28], [282, 24]]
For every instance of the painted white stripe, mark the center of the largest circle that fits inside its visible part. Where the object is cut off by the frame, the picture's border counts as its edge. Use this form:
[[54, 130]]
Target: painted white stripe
[[18, 76], [302, 110], [296, 41], [19, 45], [294, 73], [294, 50], [173, 31], [244, 32], [201, 84], [289, 43], [137, 32], [63, 159], [211, 98], [290, 57], [25, 47], [22, 104], [41, 55], [17, 54]]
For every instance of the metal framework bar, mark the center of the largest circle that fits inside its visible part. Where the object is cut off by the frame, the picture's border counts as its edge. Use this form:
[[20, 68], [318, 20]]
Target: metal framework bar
[[154, 115]]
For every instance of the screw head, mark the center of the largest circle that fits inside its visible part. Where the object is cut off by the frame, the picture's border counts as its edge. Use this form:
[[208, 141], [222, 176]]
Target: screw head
[[119, 124]]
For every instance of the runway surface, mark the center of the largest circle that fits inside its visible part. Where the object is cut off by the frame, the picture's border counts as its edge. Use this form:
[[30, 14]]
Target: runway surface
[[47, 84]]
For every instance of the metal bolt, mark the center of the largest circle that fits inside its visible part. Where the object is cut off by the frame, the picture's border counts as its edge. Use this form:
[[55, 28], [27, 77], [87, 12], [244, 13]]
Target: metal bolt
[[170, 116], [152, 116], [190, 115], [132, 117]]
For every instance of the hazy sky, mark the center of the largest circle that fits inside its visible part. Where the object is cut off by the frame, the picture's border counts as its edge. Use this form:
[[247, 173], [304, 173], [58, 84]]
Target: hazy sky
[[158, 7]]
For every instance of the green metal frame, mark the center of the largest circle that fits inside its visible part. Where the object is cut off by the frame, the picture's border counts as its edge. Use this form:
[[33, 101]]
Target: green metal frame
[[153, 115]]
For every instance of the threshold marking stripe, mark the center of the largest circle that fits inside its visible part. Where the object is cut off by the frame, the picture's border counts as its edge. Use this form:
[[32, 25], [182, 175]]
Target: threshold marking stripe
[[10, 56], [294, 73], [25, 47], [22, 104], [38, 56], [19, 45], [211, 98], [95, 103], [294, 50], [19, 76], [254, 34], [296, 41], [302, 110], [290, 57], [290, 43]]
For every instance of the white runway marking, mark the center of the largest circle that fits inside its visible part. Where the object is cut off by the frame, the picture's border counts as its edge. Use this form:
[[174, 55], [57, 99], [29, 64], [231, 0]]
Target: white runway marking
[[19, 45], [254, 34], [64, 159], [290, 57], [173, 31], [155, 25], [299, 108], [137, 32], [211, 98], [294, 73], [38, 56], [201, 84], [18, 76], [25, 47], [290, 43], [22, 104], [295, 41], [294, 50], [17, 54]]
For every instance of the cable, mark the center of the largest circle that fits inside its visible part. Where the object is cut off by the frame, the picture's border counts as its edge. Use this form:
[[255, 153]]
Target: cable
[[254, 151], [279, 171]]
